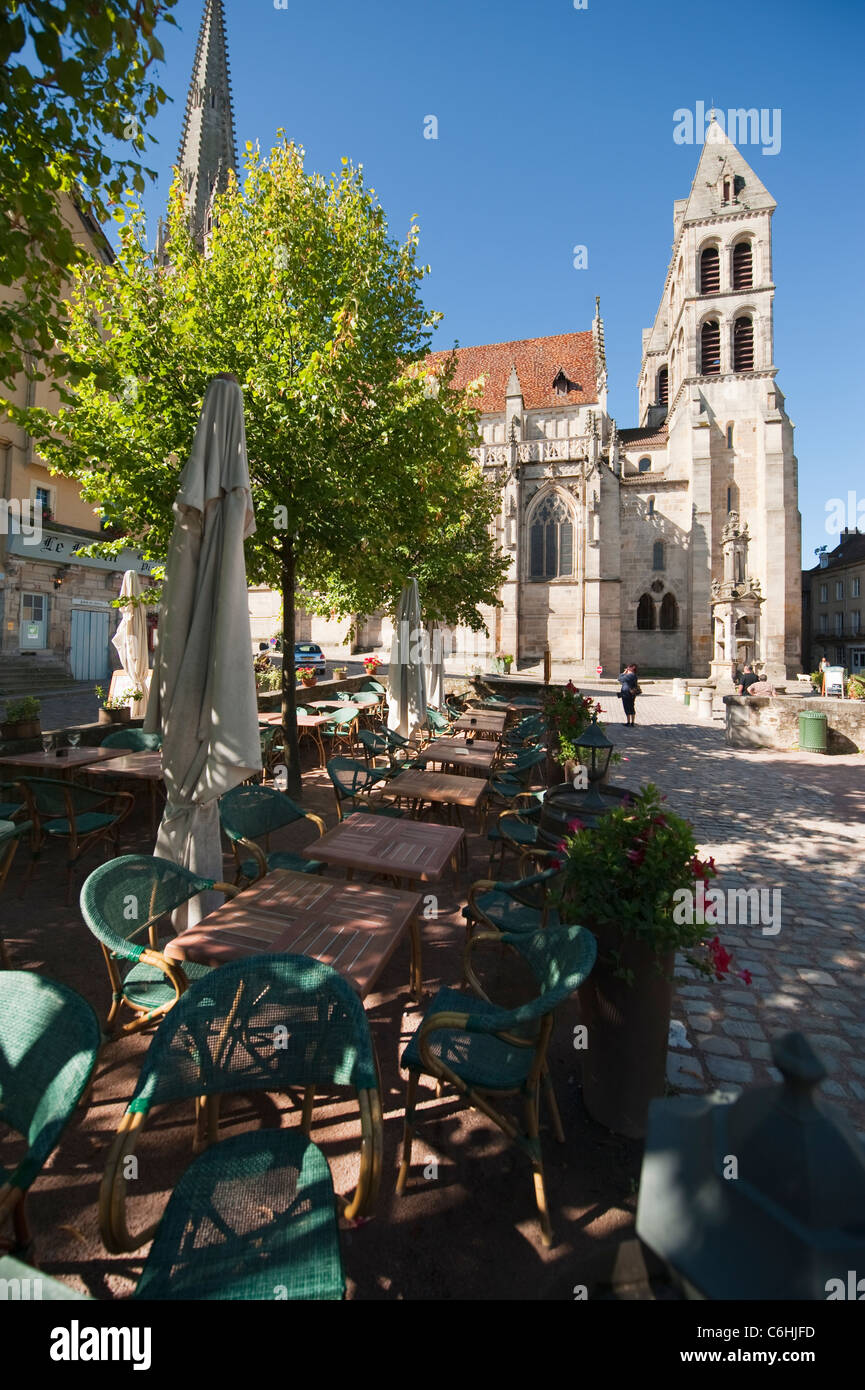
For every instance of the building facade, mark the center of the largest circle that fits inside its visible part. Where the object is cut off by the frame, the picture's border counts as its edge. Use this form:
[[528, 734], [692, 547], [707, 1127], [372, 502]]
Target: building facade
[[833, 604], [676, 543]]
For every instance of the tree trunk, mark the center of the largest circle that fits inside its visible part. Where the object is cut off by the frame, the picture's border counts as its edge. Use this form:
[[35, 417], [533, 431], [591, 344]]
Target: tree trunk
[[289, 702]]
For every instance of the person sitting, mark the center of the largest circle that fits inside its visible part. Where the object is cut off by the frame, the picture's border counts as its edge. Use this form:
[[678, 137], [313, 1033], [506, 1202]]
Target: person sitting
[[761, 686], [748, 679]]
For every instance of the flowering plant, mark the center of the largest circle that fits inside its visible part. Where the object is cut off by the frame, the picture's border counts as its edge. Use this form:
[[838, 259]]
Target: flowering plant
[[637, 870], [305, 673], [568, 714], [371, 664], [117, 701]]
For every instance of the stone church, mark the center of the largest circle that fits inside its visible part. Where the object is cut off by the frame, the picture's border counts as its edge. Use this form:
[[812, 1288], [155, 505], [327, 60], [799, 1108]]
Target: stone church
[[676, 543]]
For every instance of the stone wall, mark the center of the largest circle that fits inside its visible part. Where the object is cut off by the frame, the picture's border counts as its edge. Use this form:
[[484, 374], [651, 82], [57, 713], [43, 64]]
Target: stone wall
[[765, 722]]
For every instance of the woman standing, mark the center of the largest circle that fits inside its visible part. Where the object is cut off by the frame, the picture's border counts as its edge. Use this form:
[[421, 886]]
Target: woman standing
[[629, 692]]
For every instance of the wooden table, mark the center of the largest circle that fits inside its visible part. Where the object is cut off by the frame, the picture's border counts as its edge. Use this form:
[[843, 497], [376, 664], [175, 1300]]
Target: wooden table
[[308, 723], [485, 723], [409, 850], [355, 927], [437, 787], [71, 759], [457, 753], [145, 766]]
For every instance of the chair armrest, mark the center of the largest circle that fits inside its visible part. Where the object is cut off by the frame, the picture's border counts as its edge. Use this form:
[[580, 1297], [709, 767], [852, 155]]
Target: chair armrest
[[116, 1236], [255, 852], [316, 820]]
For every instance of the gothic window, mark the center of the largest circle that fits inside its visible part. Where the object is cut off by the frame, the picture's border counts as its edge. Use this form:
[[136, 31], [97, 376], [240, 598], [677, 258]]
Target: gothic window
[[646, 614], [740, 567], [710, 348], [743, 266], [732, 498], [743, 345], [726, 193], [729, 436], [645, 465], [551, 540], [658, 556], [663, 386], [651, 506], [669, 616], [710, 271]]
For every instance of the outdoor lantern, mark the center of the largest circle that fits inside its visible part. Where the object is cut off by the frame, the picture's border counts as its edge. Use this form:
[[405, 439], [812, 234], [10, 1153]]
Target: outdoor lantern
[[595, 743], [760, 1197]]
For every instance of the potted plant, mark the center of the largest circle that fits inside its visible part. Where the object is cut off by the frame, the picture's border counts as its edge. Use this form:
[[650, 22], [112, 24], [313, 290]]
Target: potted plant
[[636, 881], [817, 681], [22, 718], [306, 675], [371, 664], [118, 709], [340, 673], [568, 715], [856, 688]]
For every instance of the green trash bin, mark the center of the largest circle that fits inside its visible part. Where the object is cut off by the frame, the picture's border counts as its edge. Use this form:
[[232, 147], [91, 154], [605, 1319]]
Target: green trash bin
[[687, 697], [812, 731]]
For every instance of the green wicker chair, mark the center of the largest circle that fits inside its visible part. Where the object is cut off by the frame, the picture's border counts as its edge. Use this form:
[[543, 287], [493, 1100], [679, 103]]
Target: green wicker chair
[[516, 828], [519, 906], [124, 903], [250, 812], [79, 815], [256, 1210], [12, 803], [352, 783], [49, 1042], [136, 740], [10, 836], [487, 1052], [341, 730]]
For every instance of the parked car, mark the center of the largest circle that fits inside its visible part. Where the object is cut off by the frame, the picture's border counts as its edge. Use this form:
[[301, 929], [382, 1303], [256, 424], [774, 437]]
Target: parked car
[[310, 654]]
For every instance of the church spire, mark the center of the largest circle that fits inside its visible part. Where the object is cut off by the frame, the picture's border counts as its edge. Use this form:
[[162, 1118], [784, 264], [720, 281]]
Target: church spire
[[207, 148]]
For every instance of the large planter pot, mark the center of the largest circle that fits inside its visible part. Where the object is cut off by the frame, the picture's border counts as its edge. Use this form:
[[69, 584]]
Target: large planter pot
[[23, 728], [624, 1064], [115, 716], [310, 682]]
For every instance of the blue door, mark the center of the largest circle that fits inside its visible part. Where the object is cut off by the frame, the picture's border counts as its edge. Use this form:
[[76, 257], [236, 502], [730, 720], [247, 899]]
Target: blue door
[[89, 656]]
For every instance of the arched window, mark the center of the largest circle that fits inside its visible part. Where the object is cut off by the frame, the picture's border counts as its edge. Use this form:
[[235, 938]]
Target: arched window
[[651, 502], [658, 556], [646, 613], [710, 348], [732, 498], [663, 386], [710, 271], [551, 540], [743, 266], [743, 345], [729, 436], [725, 197], [669, 616], [645, 465]]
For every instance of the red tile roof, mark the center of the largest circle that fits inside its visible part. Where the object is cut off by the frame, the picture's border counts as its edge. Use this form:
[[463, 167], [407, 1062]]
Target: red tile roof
[[633, 440], [537, 361]]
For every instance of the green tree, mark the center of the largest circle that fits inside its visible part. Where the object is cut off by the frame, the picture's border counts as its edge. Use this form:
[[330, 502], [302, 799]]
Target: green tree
[[73, 79], [360, 467]]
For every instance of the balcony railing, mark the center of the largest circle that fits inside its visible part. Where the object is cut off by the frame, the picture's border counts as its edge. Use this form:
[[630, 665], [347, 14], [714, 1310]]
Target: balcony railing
[[533, 451]]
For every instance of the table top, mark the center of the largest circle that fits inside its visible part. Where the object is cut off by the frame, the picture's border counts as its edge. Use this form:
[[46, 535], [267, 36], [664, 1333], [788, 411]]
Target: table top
[[437, 786], [355, 927], [407, 849], [458, 752], [335, 705], [487, 721], [146, 764], [71, 757], [304, 721]]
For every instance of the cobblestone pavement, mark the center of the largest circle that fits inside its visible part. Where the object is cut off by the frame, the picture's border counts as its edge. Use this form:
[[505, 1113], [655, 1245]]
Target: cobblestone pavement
[[792, 822]]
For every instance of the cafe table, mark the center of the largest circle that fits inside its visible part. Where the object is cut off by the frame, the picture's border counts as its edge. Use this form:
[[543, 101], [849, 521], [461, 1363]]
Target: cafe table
[[487, 724], [145, 766], [61, 760], [439, 788], [458, 752], [306, 723], [354, 927], [409, 851]]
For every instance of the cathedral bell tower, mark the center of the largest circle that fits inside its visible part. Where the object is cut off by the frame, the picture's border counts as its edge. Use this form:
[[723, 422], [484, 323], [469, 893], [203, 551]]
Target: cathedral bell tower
[[207, 145]]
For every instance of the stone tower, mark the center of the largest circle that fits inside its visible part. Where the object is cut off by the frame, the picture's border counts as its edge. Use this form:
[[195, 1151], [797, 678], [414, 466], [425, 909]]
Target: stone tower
[[709, 361], [207, 145]]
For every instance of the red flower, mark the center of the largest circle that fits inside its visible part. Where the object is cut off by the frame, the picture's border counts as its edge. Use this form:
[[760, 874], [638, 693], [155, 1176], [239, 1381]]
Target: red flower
[[745, 975], [571, 688], [556, 863], [636, 856], [575, 825], [721, 959]]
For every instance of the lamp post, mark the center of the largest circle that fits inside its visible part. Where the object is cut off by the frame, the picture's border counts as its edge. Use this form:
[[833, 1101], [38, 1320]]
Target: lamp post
[[599, 749]]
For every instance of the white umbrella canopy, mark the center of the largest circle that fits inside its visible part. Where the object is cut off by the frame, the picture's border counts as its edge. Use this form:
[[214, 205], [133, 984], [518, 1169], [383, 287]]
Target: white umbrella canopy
[[434, 666], [406, 696], [203, 696], [130, 641]]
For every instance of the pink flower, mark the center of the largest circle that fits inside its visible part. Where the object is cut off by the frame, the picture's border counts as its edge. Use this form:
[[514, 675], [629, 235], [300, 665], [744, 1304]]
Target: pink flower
[[575, 825], [556, 863]]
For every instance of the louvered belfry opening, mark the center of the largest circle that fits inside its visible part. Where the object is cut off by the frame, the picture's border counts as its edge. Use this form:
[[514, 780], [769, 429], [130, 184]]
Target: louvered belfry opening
[[663, 386], [743, 266], [710, 271], [743, 345], [710, 348]]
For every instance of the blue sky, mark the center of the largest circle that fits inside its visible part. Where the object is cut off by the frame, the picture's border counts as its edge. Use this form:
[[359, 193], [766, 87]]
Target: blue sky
[[555, 129]]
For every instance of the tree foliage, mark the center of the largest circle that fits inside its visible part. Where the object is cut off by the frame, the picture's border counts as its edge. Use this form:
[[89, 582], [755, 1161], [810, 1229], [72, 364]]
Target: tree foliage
[[73, 79], [360, 464]]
